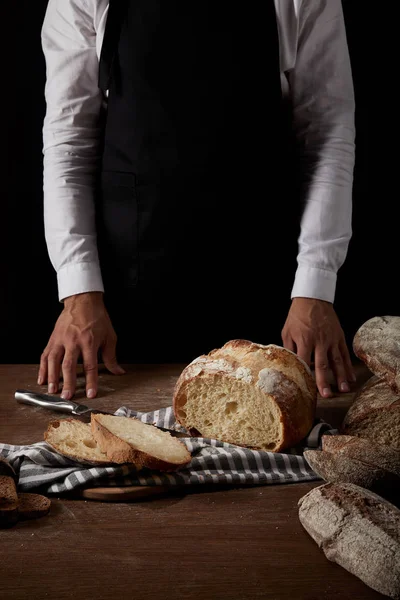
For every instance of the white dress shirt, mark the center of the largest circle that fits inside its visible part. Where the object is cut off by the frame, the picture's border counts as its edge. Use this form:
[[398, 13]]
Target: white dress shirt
[[315, 74]]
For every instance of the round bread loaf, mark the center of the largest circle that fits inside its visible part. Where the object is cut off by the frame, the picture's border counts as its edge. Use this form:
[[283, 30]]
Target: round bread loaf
[[377, 344], [260, 397]]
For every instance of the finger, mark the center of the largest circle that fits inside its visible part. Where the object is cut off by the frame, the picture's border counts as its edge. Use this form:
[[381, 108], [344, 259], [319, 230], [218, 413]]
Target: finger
[[288, 343], [110, 356], [90, 367], [53, 369], [69, 367], [338, 368], [322, 371], [42, 375], [347, 361], [304, 352]]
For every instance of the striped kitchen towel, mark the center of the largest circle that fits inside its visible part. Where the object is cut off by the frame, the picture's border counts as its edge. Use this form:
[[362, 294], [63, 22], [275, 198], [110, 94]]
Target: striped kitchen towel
[[39, 467]]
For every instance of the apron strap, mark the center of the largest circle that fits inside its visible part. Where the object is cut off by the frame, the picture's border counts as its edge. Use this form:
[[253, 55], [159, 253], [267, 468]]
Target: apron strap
[[116, 13]]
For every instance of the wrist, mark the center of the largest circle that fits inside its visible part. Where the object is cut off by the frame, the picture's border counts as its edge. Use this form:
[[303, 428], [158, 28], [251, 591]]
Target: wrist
[[302, 300], [92, 298]]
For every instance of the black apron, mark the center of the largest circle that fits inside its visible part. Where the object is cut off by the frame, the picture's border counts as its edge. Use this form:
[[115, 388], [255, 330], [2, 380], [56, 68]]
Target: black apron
[[195, 217]]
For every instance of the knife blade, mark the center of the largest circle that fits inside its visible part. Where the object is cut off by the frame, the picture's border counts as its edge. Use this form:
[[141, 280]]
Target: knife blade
[[70, 407]]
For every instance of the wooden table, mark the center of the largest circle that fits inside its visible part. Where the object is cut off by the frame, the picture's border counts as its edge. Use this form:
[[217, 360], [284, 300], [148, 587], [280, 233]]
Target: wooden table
[[236, 544]]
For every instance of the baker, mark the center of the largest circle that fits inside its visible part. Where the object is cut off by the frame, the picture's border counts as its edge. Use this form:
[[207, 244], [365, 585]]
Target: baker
[[193, 150]]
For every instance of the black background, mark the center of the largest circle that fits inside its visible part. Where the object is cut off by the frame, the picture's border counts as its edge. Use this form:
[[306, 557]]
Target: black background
[[367, 283]]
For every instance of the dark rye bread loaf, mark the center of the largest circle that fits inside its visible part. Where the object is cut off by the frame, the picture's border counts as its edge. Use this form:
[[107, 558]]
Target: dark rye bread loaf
[[375, 414], [364, 450], [358, 530], [338, 468], [377, 344]]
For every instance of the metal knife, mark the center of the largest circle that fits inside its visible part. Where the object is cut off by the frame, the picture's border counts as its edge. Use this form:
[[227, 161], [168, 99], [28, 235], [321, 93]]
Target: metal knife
[[69, 407]]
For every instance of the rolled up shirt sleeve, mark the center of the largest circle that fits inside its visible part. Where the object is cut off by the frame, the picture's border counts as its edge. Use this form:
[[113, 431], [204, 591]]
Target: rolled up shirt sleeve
[[71, 144], [322, 96]]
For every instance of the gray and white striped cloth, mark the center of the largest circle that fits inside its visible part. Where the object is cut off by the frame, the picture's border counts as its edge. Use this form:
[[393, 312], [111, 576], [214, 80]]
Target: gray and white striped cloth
[[40, 468]]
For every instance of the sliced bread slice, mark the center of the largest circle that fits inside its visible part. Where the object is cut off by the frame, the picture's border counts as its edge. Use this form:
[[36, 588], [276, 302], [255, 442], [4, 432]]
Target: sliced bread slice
[[128, 440], [8, 490], [74, 439], [33, 506]]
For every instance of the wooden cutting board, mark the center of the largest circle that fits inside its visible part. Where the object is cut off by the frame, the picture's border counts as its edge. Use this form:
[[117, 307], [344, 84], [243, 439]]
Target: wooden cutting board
[[124, 494]]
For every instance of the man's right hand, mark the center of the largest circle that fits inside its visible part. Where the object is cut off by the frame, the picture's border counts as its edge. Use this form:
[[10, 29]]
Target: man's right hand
[[83, 328]]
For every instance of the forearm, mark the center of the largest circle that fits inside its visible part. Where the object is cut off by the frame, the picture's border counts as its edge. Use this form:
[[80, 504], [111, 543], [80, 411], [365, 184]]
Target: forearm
[[71, 145], [323, 109], [326, 220]]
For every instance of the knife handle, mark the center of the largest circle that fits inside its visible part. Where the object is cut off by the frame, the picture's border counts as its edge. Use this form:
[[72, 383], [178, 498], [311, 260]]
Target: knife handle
[[64, 406]]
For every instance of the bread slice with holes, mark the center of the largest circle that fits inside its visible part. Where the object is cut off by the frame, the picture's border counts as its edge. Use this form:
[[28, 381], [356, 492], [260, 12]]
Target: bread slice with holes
[[74, 439], [128, 440], [247, 394]]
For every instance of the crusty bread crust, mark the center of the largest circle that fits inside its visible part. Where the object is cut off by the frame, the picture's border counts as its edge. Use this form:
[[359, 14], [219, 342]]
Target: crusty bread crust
[[121, 452], [48, 438], [364, 450], [338, 468], [375, 395], [377, 344], [293, 389], [358, 530]]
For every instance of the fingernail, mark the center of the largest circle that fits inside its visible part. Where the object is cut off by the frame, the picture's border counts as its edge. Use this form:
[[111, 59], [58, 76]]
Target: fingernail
[[91, 393], [354, 378], [326, 392], [344, 387], [40, 380], [52, 388], [66, 395], [120, 371]]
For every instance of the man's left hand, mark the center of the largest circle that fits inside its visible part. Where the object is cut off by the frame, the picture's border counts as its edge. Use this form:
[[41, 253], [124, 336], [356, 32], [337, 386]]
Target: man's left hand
[[312, 327]]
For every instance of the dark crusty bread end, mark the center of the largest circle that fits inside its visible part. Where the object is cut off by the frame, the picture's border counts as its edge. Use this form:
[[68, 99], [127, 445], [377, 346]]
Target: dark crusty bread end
[[33, 506]]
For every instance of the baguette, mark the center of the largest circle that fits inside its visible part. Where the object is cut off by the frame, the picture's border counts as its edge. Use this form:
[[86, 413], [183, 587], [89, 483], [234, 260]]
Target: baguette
[[260, 397], [358, 530], [374, 414], [128, 440], [377, 344]]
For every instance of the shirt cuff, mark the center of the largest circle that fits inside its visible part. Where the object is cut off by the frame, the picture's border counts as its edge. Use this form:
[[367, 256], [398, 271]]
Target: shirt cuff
[[311, 282], [79, 278]]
